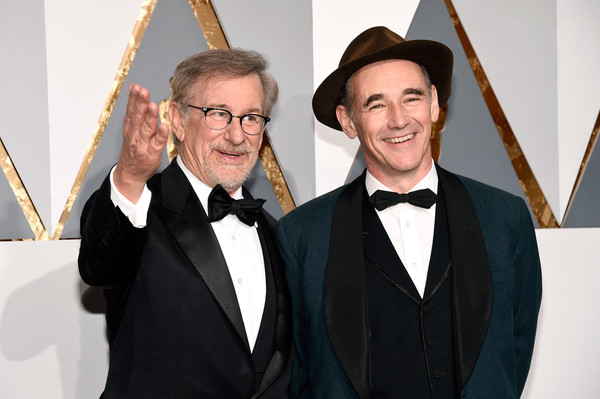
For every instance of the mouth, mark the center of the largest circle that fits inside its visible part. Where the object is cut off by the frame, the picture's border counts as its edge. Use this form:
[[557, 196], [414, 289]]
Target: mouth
[[397, 140], [232, 155]]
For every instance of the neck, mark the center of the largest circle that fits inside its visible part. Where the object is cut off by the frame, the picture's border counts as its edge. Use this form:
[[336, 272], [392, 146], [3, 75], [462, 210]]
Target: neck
[[402, 182]]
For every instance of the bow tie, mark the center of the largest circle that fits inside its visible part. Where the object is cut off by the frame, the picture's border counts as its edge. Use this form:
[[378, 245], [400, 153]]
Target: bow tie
[[220, 204], [422, 198]]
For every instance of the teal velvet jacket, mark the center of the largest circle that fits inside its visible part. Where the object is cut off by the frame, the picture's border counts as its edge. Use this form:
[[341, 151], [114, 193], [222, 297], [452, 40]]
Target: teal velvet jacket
[[497, 289]]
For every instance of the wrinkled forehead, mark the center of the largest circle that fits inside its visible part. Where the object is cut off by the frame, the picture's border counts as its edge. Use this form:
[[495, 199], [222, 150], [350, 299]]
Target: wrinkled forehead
[[244, 92], [387, 76]]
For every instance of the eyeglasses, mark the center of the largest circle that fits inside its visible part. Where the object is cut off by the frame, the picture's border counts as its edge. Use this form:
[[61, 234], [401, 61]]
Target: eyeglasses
[[219, 119]]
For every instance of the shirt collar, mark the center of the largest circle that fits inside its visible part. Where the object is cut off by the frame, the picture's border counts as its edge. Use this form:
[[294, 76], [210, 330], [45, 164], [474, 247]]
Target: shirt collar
[[430, 181], [200, 188]]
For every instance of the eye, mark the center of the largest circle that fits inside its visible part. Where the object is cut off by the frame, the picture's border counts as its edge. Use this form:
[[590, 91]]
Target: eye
[[251, 119], [376, 107], [413, 99], [218, 114]]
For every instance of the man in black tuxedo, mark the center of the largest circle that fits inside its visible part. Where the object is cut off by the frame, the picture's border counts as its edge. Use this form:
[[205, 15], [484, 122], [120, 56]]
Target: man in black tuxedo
[[197, 305], [430, 294]]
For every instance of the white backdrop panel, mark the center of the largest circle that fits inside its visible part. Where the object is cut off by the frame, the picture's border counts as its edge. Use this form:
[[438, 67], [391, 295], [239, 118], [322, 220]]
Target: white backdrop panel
[[578, 34], [50, 346], [565, 362], [335, 24], [86, 41]]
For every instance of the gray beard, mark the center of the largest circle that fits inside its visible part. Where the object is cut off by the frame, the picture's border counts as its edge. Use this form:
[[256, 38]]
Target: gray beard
[[231, 184]]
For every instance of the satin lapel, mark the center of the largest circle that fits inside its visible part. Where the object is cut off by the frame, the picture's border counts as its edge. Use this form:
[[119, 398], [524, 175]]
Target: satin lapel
[[471, 275], [344, 292], [183, 215], [283, 325]]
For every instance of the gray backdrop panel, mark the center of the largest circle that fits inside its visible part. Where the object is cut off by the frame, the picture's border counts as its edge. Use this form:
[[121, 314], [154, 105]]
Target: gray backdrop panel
[[585, 209], [471, 145], [25, 129]]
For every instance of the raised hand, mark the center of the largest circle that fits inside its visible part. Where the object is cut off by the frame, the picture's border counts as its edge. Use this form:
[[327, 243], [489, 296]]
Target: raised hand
[[143, 143]]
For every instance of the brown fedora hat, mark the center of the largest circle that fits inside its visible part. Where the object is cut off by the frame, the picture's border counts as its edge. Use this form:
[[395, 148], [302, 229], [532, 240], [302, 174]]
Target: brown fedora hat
[[377, 44]]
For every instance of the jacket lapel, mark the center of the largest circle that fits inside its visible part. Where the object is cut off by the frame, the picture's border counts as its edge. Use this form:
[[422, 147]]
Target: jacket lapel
[[471, 274], [344, 292], [283, 323], [182, 214]]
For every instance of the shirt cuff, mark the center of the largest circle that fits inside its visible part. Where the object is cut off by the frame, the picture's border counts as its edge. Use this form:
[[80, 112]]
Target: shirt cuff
[[136, 213]]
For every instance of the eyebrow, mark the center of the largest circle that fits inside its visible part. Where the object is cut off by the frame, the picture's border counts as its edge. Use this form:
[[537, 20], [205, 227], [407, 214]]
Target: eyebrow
[[372, 98], [228, 108], [415, 91], [379, 96]]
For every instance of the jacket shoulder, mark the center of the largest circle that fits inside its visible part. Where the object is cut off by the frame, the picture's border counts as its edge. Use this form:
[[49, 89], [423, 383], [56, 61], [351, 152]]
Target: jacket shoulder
[[313, 210], [496, 207], [485, 195]]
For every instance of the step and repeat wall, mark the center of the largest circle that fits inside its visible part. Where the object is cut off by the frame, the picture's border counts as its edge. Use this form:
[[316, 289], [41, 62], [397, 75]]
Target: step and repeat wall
[[523, 116]]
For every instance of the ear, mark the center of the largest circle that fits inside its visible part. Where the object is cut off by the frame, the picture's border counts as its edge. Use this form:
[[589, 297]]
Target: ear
[[435, 106], [177, 120], [345, 121]]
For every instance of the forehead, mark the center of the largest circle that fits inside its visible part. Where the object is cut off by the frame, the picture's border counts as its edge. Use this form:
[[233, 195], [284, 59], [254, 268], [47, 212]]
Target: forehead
[[389, 75], [220, 90]]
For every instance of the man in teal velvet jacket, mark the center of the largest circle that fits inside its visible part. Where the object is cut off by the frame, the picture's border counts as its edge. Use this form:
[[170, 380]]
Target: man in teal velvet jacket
[[430, 294]]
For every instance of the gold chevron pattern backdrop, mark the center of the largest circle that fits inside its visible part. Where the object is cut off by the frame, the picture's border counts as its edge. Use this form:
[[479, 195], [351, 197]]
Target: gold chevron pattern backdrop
[[529, 136]]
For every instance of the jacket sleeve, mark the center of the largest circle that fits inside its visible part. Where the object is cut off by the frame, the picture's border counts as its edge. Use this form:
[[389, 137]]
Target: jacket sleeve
[[528, 295], [300, 384], [110, 245]]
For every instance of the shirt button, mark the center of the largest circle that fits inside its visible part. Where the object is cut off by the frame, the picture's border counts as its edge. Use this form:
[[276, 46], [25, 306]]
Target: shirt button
[[232, 238], [239, 281], [413, 265], [407, 223], [429, 312], [438, 374]]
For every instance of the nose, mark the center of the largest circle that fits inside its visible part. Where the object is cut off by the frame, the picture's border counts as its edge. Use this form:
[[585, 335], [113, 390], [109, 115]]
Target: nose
[[398, 117], [234, 133]]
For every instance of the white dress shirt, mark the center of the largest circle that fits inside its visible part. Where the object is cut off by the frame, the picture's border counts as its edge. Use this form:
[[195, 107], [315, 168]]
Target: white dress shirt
[[410, 228], [239, 243]]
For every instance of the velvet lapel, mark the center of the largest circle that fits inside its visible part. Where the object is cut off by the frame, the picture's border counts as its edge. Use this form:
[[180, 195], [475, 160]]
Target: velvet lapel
[[182, 214], [283, 324], [344, 293], [471, 274]]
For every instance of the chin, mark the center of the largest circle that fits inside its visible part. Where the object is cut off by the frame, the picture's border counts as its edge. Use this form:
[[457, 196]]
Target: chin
[[232, 181]]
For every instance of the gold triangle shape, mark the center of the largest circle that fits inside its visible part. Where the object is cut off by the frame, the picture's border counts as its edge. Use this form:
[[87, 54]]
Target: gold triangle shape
[[215, 38], [134, 42], [531, 188], [22, 196], [584, 164]]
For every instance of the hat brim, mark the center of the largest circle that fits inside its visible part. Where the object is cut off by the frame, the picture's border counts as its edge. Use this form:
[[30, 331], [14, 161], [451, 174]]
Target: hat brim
[[434, 56]]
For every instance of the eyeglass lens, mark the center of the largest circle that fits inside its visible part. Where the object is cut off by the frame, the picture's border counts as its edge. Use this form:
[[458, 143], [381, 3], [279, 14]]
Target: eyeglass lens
[[220, 118]]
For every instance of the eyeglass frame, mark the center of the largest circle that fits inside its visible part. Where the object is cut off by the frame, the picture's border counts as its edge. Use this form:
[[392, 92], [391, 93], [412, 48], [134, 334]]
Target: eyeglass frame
[[231, 116]]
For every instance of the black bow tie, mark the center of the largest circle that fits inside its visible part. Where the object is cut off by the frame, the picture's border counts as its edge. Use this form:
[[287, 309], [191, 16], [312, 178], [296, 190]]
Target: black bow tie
[[220, 204], [423, 198]]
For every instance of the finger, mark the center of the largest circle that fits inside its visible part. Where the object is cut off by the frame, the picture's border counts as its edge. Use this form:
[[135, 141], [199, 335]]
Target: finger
[[157, 143], [137, 107], [149, 126], [134, 90]]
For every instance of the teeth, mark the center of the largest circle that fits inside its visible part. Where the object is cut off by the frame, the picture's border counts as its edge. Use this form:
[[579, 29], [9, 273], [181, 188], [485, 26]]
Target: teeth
[[400, 139]]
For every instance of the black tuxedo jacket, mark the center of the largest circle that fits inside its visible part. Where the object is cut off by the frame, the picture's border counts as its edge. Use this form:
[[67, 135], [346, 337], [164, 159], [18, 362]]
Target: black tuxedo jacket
[[175, 327], [496, 290]]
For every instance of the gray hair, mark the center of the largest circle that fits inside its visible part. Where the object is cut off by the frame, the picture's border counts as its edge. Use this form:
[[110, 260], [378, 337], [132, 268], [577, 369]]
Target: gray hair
[[223, 62]]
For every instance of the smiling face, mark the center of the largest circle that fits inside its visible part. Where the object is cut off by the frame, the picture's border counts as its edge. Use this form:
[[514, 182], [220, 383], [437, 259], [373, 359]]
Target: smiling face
[[226, 156], [393, 110]]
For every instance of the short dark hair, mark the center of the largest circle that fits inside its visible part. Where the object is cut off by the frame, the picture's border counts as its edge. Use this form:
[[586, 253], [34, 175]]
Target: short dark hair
[[347, 96]]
